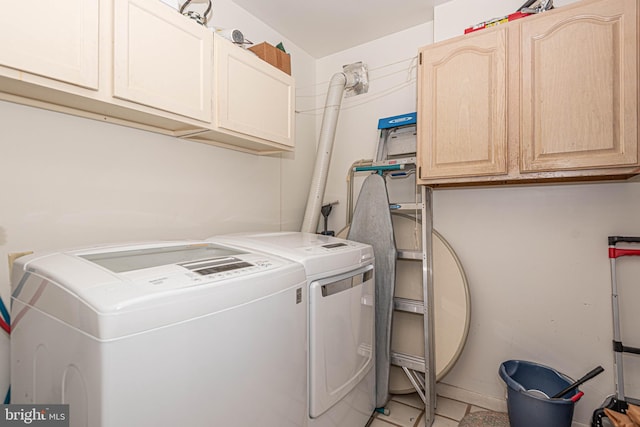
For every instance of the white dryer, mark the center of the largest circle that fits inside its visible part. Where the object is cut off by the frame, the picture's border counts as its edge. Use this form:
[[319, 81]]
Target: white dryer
[[161, 335], [340, 274]]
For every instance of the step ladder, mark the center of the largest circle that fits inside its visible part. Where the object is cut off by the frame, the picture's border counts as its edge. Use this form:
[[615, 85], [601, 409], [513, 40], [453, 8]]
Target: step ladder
[[396, 160]]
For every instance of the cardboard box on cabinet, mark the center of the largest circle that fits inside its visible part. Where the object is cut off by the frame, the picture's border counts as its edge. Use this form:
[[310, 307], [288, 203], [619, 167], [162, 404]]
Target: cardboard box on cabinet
[[273, 56]]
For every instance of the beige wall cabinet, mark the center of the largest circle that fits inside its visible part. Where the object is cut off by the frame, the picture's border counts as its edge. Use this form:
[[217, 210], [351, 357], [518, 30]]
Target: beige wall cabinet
[[140, 63], [463, 111], [553, 96], [253, 102], [579, 88]]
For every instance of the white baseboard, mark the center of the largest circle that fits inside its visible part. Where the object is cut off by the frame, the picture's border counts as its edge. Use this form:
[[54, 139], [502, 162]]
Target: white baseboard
[[467, 396]]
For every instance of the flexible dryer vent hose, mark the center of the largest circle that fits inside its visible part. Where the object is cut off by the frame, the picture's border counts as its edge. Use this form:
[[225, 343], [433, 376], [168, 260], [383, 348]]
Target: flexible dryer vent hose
[[323, 156], [354, 79]]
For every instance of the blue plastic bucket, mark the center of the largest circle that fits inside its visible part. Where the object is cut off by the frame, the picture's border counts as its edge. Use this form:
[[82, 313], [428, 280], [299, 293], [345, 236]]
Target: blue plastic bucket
[[529, 387]]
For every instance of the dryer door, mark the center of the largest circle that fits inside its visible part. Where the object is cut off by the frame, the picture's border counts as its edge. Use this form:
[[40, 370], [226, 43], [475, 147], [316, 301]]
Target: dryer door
[[341, 331]]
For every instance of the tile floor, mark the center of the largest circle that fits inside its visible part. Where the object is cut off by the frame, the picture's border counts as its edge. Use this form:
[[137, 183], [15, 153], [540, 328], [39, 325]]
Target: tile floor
[[407, 410]]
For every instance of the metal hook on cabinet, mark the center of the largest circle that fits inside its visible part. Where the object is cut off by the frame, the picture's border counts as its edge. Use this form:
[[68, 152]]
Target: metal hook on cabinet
[[200, 19]]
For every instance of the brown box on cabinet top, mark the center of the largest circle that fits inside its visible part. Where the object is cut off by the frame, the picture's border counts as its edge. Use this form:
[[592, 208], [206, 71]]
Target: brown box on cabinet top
[[273, 56]]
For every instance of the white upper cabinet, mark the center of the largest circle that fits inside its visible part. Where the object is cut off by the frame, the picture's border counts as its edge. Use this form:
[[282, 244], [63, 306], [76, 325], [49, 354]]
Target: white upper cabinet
[[142, 64], [52, 39], [253, 103], [161, 60], [252, 97]]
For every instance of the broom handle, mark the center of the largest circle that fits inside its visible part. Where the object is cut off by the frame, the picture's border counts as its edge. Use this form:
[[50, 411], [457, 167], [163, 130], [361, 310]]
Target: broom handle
[[591, 374]]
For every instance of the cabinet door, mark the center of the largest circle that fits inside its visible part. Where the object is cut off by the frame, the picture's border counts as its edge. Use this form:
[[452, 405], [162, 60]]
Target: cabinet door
[[53, 39], [251, 96], [462, 98], [162, 59], [579, 87]]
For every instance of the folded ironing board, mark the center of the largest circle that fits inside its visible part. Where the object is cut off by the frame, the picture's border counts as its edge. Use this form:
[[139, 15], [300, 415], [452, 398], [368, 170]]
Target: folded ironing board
[[372, 224]]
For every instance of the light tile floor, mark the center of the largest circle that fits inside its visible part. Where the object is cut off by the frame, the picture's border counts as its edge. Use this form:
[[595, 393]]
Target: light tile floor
[[407, 410]]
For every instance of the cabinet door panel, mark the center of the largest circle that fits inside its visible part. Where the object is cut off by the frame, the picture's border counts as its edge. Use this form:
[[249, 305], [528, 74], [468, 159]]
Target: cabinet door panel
[[462, 107], [579, 88], [252, 97], [54, 39], [160, 61]]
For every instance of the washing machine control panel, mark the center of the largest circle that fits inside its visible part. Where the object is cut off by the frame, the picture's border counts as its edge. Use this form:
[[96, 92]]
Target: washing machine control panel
[[216, 265], [227, 267], [335, 245], [207, 271], [323, 248]]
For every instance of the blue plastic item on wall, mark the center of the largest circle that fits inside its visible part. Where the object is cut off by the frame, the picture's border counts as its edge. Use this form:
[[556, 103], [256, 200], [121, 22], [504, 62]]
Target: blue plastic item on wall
[[395, 121]]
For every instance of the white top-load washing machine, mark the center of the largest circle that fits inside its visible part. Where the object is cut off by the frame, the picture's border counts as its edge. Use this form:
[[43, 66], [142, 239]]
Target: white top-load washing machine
[[161, 335], [341, 321]]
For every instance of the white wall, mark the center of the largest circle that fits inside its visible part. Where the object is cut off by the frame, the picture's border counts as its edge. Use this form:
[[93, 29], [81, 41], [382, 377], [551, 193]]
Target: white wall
[[536, 261], [69, 181], [535, 256]]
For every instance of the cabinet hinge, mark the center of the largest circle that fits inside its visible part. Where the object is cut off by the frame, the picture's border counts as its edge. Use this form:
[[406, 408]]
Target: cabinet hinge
[[420, 58]]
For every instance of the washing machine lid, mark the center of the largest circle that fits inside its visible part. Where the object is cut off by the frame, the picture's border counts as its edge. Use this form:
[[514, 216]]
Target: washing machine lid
[[121, 260], [111, 292], [321, 255]]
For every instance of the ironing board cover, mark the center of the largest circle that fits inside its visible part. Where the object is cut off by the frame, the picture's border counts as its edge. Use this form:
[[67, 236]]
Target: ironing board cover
[[372, 224]]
